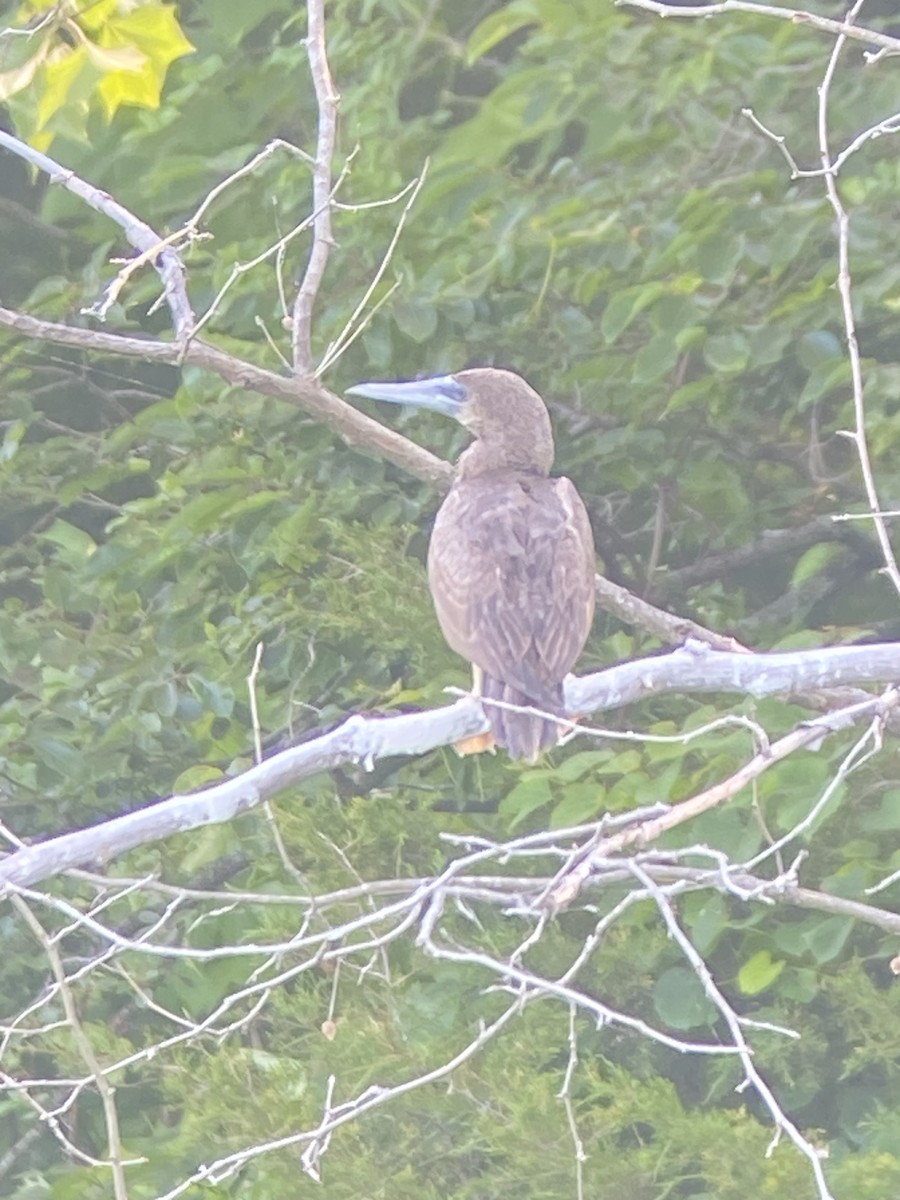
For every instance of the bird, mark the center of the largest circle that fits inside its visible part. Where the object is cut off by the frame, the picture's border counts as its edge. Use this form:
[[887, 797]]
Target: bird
[[511, 560]]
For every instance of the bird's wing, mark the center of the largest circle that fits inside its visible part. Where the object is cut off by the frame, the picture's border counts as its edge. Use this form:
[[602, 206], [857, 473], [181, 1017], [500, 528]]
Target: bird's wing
[[511, 567]]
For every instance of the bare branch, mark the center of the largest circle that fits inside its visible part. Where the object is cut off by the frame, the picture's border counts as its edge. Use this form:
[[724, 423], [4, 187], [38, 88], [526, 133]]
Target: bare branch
[[866, 746], [241, 173], [571, 878], [373, 1097], [845, 290], [363, 740], [419, 901], [888, 126], [845, 29], [672, 630], [276, 250], [565, 1094], [116, 1161], [751, 1073], [357, 322], [505, 889], [353, 426], [755, 888], [769, 544], [154, 248], [327, 101]]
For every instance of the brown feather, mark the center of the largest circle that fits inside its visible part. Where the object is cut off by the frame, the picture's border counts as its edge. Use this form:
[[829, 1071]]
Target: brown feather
[[511, 568]]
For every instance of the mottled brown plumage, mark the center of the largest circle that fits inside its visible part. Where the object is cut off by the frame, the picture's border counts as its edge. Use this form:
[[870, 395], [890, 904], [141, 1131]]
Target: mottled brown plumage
[[511, 559]]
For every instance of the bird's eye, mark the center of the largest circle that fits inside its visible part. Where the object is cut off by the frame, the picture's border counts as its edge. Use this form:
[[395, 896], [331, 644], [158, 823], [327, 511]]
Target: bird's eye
[[452, 389]]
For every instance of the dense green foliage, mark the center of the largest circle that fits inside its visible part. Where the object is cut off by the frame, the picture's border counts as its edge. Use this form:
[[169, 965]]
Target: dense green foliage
[[598, 215]]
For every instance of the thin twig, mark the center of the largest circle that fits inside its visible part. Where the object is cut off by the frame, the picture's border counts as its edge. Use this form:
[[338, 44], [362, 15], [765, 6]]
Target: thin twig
[[845, 29], [106, 1092], [845, 290], [374, 1097], [327, 101], [866, 746], [254, 706], [164, 259], [734, 1022], [355, 326], [570, 880], [565, 1094]]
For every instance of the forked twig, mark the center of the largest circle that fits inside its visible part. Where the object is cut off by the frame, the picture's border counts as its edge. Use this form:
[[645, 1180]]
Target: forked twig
[[152, 247]]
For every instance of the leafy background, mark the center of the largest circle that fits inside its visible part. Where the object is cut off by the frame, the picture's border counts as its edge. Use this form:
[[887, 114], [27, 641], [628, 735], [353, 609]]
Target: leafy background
[[598, 215]]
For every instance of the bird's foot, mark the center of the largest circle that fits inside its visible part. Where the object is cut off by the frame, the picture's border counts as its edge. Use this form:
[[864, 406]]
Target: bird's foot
[[477, 744]]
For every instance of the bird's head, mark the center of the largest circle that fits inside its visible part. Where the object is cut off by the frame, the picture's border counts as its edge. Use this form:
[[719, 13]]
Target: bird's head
[[506, 416]]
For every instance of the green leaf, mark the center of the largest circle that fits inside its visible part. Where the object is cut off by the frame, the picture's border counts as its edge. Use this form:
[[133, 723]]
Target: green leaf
[[164, 698], [213, 697], [718, 257], [625, 306], [827, 938], [885, 816], [64, 760], [581, 802], [151, 36], [814, 561], [727, 352], [584, 762], [680, 1000], [706, 919], [417, 321], [655, 359], [759, 972], [74, 545], [529, 794], [194, 779], [12, 437], [495, 29]]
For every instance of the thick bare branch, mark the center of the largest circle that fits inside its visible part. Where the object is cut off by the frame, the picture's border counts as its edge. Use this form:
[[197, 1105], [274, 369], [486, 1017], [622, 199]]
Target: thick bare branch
[[769, 544], [364, 740], [354, 427], [672, 630]]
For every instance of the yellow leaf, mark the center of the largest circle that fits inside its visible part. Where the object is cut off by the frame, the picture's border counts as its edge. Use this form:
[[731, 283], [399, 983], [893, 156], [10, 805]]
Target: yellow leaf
[[21, 77], [153, 31], [120, 58], [94, 16], [115, 52], [58, 82], [140, 88]]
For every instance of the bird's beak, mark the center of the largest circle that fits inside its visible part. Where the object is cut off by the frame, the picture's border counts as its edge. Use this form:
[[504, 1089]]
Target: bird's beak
[[443, 394]]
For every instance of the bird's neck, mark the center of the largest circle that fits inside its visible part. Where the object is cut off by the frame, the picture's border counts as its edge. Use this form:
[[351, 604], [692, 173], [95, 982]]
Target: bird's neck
[[485, 458]]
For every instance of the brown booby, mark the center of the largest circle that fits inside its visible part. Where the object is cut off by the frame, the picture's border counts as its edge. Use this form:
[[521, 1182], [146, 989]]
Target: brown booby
[[511, 560]]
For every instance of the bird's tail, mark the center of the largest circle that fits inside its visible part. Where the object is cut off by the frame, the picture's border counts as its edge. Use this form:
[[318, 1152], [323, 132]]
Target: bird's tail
[[522, 735]]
